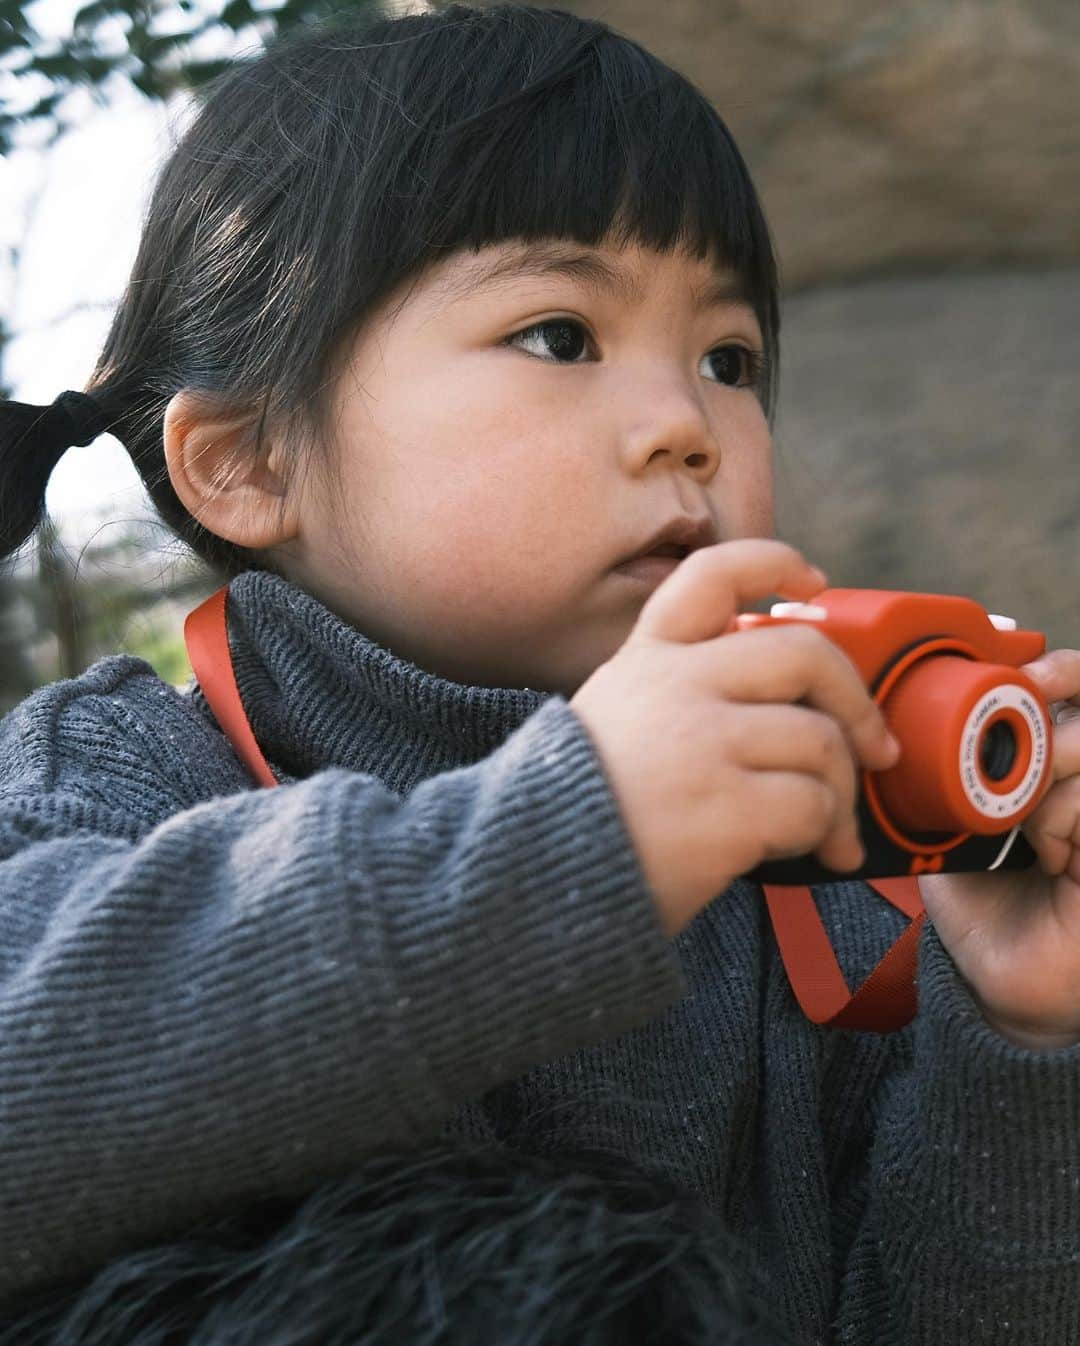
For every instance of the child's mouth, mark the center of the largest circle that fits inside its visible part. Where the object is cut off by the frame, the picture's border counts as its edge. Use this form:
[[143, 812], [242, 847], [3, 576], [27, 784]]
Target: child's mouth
[[654, 566]]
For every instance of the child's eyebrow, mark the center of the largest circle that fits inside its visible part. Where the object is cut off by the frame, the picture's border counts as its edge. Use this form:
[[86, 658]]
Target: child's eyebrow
[[591, 270]]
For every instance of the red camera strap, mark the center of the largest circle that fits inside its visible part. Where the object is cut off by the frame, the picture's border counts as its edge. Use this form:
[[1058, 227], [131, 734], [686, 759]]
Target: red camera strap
[[885, 1001], [206, 637]]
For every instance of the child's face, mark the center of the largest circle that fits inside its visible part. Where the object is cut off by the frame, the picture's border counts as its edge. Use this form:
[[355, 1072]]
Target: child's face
[[492, 482]]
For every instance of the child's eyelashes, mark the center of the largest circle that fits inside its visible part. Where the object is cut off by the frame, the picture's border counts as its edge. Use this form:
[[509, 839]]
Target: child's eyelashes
[[569, 339], [564, 340], [738, 366]]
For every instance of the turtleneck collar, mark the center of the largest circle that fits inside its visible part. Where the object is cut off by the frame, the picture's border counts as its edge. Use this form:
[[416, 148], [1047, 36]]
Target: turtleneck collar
[[319, 693]]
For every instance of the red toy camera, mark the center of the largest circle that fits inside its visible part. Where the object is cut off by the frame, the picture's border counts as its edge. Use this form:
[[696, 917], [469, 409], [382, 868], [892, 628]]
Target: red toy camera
[[975, 732]]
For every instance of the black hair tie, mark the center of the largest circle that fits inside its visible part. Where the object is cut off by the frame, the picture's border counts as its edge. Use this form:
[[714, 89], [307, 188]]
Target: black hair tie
[[40, 436], [73, 420]]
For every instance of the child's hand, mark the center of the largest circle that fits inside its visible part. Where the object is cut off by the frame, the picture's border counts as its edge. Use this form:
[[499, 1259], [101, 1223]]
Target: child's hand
[[1015, 934], [714, 765]]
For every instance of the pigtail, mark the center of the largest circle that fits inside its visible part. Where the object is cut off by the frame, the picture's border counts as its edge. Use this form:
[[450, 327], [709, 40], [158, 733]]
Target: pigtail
[[33, 439]]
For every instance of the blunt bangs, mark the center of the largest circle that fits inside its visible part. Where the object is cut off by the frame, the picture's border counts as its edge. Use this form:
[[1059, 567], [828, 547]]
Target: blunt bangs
[[557, 127]]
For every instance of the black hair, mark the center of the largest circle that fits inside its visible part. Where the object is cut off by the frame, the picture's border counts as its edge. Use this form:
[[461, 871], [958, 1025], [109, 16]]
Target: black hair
[[347, 157], [451, 1246]]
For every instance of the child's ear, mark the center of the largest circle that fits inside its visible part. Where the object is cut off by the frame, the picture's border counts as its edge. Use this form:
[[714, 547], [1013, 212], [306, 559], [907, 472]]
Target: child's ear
[[210, 454]]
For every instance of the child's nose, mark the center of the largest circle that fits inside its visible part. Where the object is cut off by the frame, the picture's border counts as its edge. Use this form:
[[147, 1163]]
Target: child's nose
[[670, 431]]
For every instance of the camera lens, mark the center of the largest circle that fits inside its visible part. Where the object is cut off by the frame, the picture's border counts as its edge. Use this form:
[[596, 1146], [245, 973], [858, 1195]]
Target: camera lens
[[997, 751]]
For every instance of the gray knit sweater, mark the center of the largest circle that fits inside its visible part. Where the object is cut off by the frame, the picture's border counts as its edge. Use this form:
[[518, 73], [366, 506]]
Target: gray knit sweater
[[437, 924]]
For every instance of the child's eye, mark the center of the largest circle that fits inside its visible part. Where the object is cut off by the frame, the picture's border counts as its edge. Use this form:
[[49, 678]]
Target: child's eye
[[563, 337], [737, 366], [565, 340]]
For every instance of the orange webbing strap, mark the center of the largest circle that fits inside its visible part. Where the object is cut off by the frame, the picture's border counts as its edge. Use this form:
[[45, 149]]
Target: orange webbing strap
[[208, 649], [887, 998]]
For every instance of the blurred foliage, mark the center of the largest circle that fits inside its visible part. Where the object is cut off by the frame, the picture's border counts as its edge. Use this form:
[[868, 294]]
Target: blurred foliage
[[60, 613], [17, 672], [163, 647], [152, 52]]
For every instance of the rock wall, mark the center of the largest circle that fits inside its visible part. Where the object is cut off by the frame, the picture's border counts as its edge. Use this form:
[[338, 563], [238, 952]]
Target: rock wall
[[885, 134], [920, 167], [928, 438]]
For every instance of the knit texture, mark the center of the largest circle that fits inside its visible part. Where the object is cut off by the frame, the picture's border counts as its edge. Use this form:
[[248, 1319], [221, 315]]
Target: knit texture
[[437, 926]]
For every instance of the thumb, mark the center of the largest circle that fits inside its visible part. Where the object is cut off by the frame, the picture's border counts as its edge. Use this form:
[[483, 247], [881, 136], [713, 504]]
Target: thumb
[[700, 597]]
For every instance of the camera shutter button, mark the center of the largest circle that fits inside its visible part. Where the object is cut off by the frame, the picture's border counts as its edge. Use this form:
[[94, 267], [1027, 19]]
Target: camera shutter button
[[804, 612]]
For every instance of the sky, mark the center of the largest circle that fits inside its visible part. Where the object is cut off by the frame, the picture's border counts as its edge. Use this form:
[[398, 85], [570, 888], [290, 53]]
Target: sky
[[79, 239]]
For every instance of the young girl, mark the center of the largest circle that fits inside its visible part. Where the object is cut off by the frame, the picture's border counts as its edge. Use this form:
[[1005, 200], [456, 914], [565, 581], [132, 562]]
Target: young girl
[[451, 343]]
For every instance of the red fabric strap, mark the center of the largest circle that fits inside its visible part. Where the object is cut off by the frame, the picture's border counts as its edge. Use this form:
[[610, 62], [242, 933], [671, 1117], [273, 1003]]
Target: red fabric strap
[[206, 637], [887, 999]]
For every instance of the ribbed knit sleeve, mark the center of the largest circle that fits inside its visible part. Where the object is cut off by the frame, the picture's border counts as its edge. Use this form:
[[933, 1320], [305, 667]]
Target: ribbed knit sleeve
[[971, 1233], [248, 993]]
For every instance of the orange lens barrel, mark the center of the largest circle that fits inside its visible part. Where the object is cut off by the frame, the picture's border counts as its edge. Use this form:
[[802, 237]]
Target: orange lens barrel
[[976, 747]]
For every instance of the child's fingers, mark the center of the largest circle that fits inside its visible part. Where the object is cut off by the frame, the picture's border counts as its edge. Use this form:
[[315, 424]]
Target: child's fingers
[[1053, 853], [1053, 830], [797, 738], [796, 663], [1065, 761], [1057, 674], [797, 812], [701, 596]]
